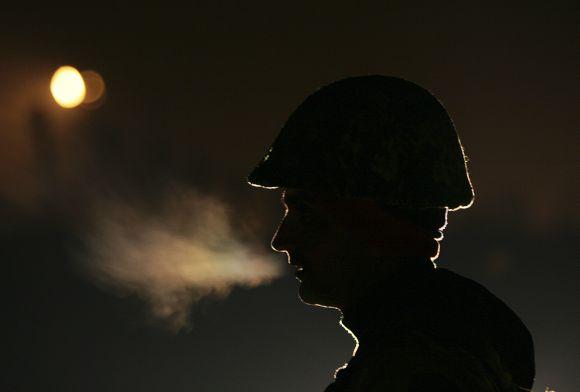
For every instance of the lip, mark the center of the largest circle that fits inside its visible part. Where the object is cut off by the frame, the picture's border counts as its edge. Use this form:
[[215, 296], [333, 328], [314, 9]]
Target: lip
[[299, 272]]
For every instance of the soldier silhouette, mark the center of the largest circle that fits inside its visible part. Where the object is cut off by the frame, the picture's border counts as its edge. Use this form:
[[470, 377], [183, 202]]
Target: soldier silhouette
[[369, 168]]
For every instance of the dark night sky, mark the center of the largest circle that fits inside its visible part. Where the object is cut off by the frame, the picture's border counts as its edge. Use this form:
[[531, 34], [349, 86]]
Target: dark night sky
[[194, 97]]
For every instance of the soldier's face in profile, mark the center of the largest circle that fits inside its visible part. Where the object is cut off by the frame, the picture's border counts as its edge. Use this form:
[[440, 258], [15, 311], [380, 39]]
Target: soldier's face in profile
[[338, 247], [341, 247]]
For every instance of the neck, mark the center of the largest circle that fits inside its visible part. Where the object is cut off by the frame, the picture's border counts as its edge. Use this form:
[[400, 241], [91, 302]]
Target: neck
[[385, 303]]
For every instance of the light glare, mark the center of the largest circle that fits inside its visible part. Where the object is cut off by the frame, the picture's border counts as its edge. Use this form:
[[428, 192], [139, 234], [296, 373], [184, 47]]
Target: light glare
[[68, 87]]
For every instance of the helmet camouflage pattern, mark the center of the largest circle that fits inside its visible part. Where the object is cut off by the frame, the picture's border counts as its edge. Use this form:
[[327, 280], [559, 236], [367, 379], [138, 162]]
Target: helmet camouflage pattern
[[375, 137]]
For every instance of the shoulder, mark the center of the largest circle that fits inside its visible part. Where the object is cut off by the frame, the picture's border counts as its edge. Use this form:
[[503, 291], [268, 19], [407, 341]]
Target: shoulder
[[432, 382], [486, 318], [413, 362], [472, 302]]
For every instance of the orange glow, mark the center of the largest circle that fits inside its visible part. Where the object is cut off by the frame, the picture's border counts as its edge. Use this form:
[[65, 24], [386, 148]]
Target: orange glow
[[68, 87]]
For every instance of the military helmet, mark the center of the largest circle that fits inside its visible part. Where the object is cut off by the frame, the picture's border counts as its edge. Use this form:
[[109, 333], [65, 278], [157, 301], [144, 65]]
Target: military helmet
[[377, 137]]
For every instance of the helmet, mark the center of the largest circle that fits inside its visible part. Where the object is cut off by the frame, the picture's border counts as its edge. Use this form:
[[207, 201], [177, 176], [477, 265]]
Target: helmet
[[376, 137]]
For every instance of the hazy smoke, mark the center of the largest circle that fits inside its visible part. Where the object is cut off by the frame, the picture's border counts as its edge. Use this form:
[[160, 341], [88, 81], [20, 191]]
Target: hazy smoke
[[174, 257]]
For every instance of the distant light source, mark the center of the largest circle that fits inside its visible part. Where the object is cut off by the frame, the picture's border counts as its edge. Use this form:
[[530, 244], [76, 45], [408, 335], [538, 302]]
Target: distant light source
[[67, 87]]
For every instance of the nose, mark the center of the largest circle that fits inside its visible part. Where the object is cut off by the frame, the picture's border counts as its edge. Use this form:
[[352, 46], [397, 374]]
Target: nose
[[282, 240], [279, 241]]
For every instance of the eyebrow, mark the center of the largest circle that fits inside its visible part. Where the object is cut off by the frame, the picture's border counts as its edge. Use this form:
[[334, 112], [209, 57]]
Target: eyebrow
[[289, 199], [293, 199]]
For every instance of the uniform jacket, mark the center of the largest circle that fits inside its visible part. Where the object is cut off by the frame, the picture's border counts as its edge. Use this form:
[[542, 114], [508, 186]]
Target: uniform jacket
[[435, 331]]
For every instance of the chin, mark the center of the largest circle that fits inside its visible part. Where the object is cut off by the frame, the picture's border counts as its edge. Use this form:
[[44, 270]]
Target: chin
[[314, 297]]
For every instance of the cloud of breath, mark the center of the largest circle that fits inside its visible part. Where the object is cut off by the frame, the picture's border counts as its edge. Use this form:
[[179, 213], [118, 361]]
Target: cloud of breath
[[174, 258]]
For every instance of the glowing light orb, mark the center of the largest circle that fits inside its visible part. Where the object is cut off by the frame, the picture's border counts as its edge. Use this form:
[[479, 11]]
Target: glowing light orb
[[67, 87]]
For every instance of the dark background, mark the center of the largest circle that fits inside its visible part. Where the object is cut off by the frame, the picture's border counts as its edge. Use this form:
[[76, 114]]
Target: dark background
[[194, 96]]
